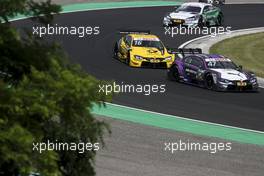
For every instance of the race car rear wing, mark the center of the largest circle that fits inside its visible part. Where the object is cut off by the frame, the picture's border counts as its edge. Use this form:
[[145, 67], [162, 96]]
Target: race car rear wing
[[134, 32], [184, 51]]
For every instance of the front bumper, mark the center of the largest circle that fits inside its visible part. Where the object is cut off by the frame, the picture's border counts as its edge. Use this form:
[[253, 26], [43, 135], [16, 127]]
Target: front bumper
[[237, 86], [150, 63], [180, 22]]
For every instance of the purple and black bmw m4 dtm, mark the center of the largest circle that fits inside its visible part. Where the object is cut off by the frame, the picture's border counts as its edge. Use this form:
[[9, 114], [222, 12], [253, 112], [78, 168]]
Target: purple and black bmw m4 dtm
[[212, 71]]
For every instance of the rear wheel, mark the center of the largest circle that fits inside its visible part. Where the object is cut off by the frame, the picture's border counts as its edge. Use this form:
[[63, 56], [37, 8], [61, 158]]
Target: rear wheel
[[215, 2], [173, 74], [221, 2]]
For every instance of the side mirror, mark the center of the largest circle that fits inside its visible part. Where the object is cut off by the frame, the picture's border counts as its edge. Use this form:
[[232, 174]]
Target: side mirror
[[240, 67]]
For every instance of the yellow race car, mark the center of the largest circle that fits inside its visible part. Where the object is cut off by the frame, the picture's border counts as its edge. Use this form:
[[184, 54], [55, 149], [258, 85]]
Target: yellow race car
[[142, 49]]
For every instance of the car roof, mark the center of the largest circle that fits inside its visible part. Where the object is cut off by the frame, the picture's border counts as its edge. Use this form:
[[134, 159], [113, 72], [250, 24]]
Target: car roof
[[196, 4]]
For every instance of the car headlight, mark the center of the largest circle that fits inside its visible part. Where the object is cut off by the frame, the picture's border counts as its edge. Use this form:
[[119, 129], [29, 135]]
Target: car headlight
[[168, 58], [138, 57], [224, 80], [167, 19], [167, 16]]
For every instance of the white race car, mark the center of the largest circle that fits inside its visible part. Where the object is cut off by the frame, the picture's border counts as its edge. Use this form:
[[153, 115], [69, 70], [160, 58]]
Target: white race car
[[194, 14]]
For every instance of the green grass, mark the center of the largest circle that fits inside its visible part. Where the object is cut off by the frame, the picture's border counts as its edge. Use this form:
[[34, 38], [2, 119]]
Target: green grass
[[246, 50]]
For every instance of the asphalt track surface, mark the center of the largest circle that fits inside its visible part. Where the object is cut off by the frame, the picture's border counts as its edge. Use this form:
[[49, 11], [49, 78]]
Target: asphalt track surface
[[94, 53]]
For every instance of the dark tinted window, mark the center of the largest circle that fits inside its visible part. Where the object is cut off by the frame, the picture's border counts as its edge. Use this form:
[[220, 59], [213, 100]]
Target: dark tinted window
[[128, 40], [188, 60], [147, 43], [193, 9], [197, 62], [206, 8]]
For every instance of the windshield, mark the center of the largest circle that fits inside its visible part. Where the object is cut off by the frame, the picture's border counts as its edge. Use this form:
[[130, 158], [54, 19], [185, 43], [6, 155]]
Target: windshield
[[148, 43], [222, 64], [193, 9]]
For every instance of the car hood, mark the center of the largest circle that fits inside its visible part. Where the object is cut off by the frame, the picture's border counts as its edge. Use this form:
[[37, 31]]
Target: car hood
[[231, 74], [182, 15], [148, 52]]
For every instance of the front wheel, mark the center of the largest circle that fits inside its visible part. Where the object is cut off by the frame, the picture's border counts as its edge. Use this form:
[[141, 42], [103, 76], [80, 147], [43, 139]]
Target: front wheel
[[200, 22], [173, 74], [128, 59], [220, 20], [115, 51], [209, 82]]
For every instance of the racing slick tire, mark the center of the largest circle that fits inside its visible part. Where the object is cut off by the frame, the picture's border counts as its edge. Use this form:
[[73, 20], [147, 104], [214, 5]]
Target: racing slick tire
[[200, 22], [128, 59], [173, 74], [209, 82], [115, 51], [215, 3], [220, 20], [221, 2]]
